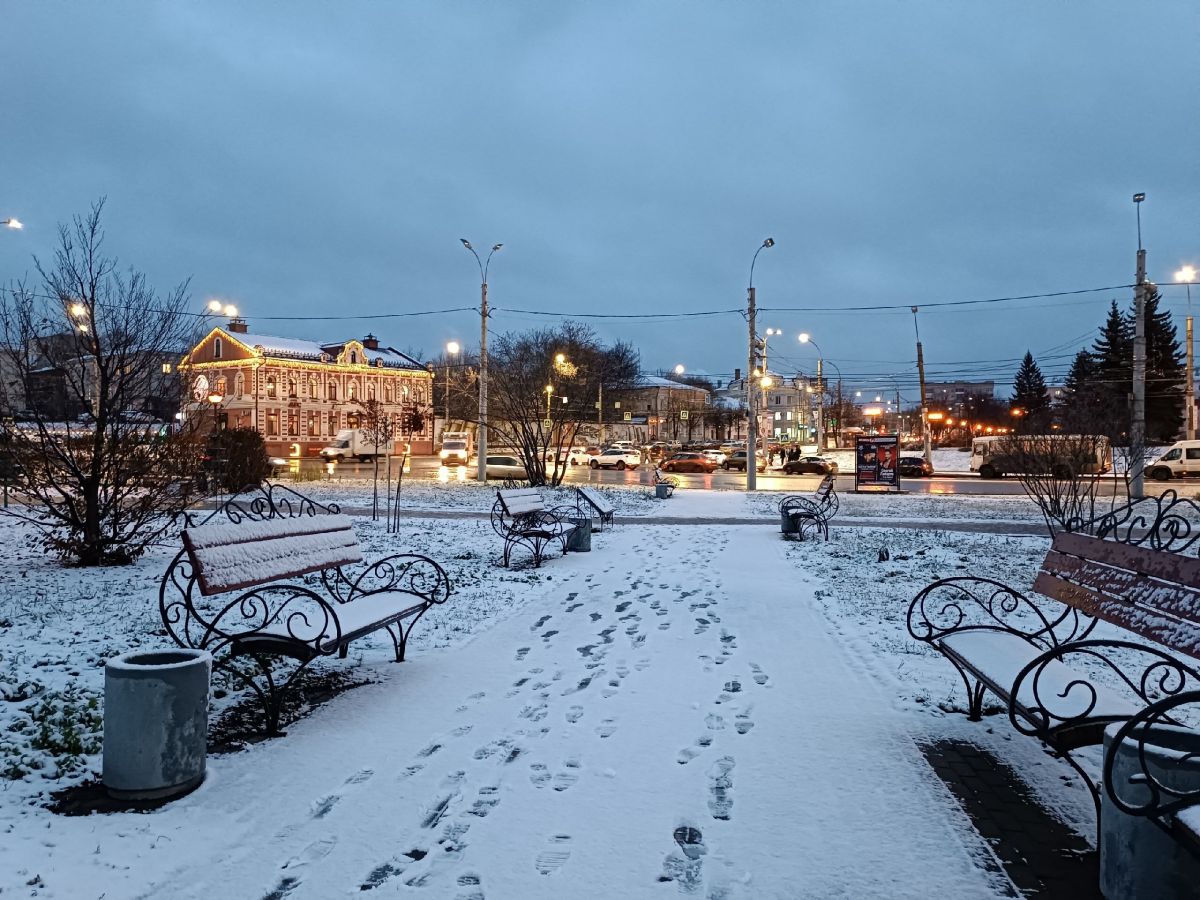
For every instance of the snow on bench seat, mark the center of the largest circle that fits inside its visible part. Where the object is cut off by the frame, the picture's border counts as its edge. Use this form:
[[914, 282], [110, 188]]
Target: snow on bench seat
[[228, 557], [999, 656], [364, 615]]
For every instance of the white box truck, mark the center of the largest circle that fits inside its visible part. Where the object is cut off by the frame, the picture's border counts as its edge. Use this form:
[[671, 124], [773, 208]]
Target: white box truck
[[355, 443], [456, 448]]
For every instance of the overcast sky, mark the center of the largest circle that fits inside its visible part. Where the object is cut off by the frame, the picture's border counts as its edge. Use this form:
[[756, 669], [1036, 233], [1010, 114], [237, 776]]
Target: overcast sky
[[308, 159]]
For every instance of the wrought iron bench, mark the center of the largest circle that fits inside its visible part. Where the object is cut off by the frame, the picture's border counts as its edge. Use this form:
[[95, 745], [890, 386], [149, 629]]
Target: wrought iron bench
[[799, 513], [521, 518], [227, 592], [595, 506], [1039, 657]]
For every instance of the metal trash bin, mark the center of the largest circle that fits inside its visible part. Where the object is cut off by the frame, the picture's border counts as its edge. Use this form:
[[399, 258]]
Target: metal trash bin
[[662, 491], [1137, 858], [155, 722], [787, 524], [580, 540]]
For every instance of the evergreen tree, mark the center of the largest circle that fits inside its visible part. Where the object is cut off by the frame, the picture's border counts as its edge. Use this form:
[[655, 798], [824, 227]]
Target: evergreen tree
[[1165, 374], [1084, 397], [1113, 355], [1030, 396]]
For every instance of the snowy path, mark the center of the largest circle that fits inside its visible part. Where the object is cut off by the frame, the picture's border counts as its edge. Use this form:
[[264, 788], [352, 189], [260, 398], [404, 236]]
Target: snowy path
[[687, 684]]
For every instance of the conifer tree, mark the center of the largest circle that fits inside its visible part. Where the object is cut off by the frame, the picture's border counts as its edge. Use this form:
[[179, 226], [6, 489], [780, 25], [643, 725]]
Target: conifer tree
[[1030, 396], [1084, 397], [1165, 373], [1113, 355]]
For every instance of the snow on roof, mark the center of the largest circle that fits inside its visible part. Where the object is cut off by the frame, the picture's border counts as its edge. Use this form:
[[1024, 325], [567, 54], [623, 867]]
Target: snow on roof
[[393, 357], [644, 381], [281, 346]]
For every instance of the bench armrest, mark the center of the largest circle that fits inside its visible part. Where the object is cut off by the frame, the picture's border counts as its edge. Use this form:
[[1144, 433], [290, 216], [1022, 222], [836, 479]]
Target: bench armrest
[[1145, 672], [406, 573], [965, 602], [1164, 772]]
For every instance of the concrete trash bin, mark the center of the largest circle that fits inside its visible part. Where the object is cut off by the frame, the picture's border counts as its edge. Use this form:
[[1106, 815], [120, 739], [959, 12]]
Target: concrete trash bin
[[662, 491], [786, 523], [155, 722], [1137, 858], [580, 540]]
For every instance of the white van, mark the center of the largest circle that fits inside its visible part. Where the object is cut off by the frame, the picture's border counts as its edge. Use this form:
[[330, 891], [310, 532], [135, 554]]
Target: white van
[[353, 443], [1181, 459]]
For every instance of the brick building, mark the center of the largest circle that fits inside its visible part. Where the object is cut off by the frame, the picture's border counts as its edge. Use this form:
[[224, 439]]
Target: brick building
[[298, 394]]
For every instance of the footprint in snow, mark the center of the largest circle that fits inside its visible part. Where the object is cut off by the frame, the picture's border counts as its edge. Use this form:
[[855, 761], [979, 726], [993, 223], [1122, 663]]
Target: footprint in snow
[[720, 788], [555, 854], [522, 652], [539, 775], [567, 777], [606, 728], [760, 677], [314, 852], [574, 714]]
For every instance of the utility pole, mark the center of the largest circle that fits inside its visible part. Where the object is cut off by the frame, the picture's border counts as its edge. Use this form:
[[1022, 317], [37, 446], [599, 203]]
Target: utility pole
[[481, 472], [751, 387], [751, 399], [600, 412], [820, 408], [1137, 428], [1187, 275], [926, 437]]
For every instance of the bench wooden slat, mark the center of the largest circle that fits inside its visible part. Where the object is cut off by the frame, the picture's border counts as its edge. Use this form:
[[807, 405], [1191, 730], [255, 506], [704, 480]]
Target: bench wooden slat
[[1176, 634], [597, 502], [232, 557], [1171, 567], [1174, 600]]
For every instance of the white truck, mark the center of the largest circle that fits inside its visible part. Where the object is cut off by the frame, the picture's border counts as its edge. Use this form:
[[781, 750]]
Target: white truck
[[356, 443], [456, 448]]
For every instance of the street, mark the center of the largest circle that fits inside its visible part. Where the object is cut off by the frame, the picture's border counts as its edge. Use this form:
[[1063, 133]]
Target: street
[[426, 467]]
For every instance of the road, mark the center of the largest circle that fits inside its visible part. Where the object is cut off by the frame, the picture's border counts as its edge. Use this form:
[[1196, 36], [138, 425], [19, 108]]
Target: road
[[427, 466]]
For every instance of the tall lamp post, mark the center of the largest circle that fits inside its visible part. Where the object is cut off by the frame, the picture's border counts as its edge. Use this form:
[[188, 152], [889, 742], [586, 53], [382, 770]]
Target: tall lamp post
[[1187, 275], [806, 338], [751, 392], [483, 355], [14, 224], [452, 349]]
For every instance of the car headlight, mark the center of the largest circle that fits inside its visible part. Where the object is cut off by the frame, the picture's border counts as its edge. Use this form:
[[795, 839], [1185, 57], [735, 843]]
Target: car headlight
[[444, 453]]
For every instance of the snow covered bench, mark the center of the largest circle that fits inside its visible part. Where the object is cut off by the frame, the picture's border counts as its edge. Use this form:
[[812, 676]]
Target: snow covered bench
[[521, 517], [670, 482], [1058, 683], [595, 505], [227, 592], [798, 513]]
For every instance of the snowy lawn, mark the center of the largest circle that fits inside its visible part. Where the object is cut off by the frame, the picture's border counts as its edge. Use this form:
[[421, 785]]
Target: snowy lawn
[[550, 732]]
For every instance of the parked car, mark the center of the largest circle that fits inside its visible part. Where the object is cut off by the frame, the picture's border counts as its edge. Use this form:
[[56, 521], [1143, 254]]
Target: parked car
[[505, 467], [689, 462], [810, 465], [716, 456], [576, 456], [737, 461], [914, 467], [616, 458]]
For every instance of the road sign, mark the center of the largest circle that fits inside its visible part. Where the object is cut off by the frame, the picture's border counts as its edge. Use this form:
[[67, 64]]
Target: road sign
[[546, 423], [628, 416], [683, 413]]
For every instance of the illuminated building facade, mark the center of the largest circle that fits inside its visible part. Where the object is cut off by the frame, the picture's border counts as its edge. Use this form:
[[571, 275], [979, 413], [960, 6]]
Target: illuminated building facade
[[298, 394]]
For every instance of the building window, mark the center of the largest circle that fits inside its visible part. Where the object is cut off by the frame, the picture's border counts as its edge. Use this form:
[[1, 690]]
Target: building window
[[332, 390], [272, 423], [292, 388], [387, 393], [370, 391], [352, 420], [352, 390], [239, 384], [216, 348], [293, 424], [221, 385], [271, 387], [333, 424], [314, 424], [312, 389], [166, 368], [354, 357]]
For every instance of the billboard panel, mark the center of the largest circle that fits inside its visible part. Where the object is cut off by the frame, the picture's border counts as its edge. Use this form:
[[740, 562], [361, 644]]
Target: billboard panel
[[875, 459]]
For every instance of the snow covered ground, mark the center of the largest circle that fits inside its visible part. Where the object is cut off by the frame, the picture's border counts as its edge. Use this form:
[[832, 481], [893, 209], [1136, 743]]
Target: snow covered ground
[[551, 731]]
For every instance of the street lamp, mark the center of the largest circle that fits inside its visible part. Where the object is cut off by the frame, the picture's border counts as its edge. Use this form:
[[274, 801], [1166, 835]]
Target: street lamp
[[452, 349], [1187, 275], [14, 224], [806, 338], [679, 369], [549, 392], [751, 394], [483, 354]]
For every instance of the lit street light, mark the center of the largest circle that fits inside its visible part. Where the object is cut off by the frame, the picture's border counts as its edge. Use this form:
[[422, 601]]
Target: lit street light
[[751, 394], [679, 369], [481, 472], [14, 224]]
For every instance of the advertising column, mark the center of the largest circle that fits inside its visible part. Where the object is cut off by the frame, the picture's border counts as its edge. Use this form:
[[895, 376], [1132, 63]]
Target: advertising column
[[875, 459]]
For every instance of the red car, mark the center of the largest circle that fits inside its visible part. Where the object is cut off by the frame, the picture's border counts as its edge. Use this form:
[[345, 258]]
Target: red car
[[689, 462]]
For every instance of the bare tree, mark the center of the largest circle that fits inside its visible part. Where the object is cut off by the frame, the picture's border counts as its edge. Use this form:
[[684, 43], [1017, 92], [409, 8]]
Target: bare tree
[[380, 430], [1061, 473], [103, 479], [542, 423]]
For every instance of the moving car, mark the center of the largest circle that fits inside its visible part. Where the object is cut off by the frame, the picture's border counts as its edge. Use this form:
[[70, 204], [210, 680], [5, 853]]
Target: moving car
[[716, 456], [689, 462], [810, 465], [616, 458], [505, 467], [914, 467], [737, 462]]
